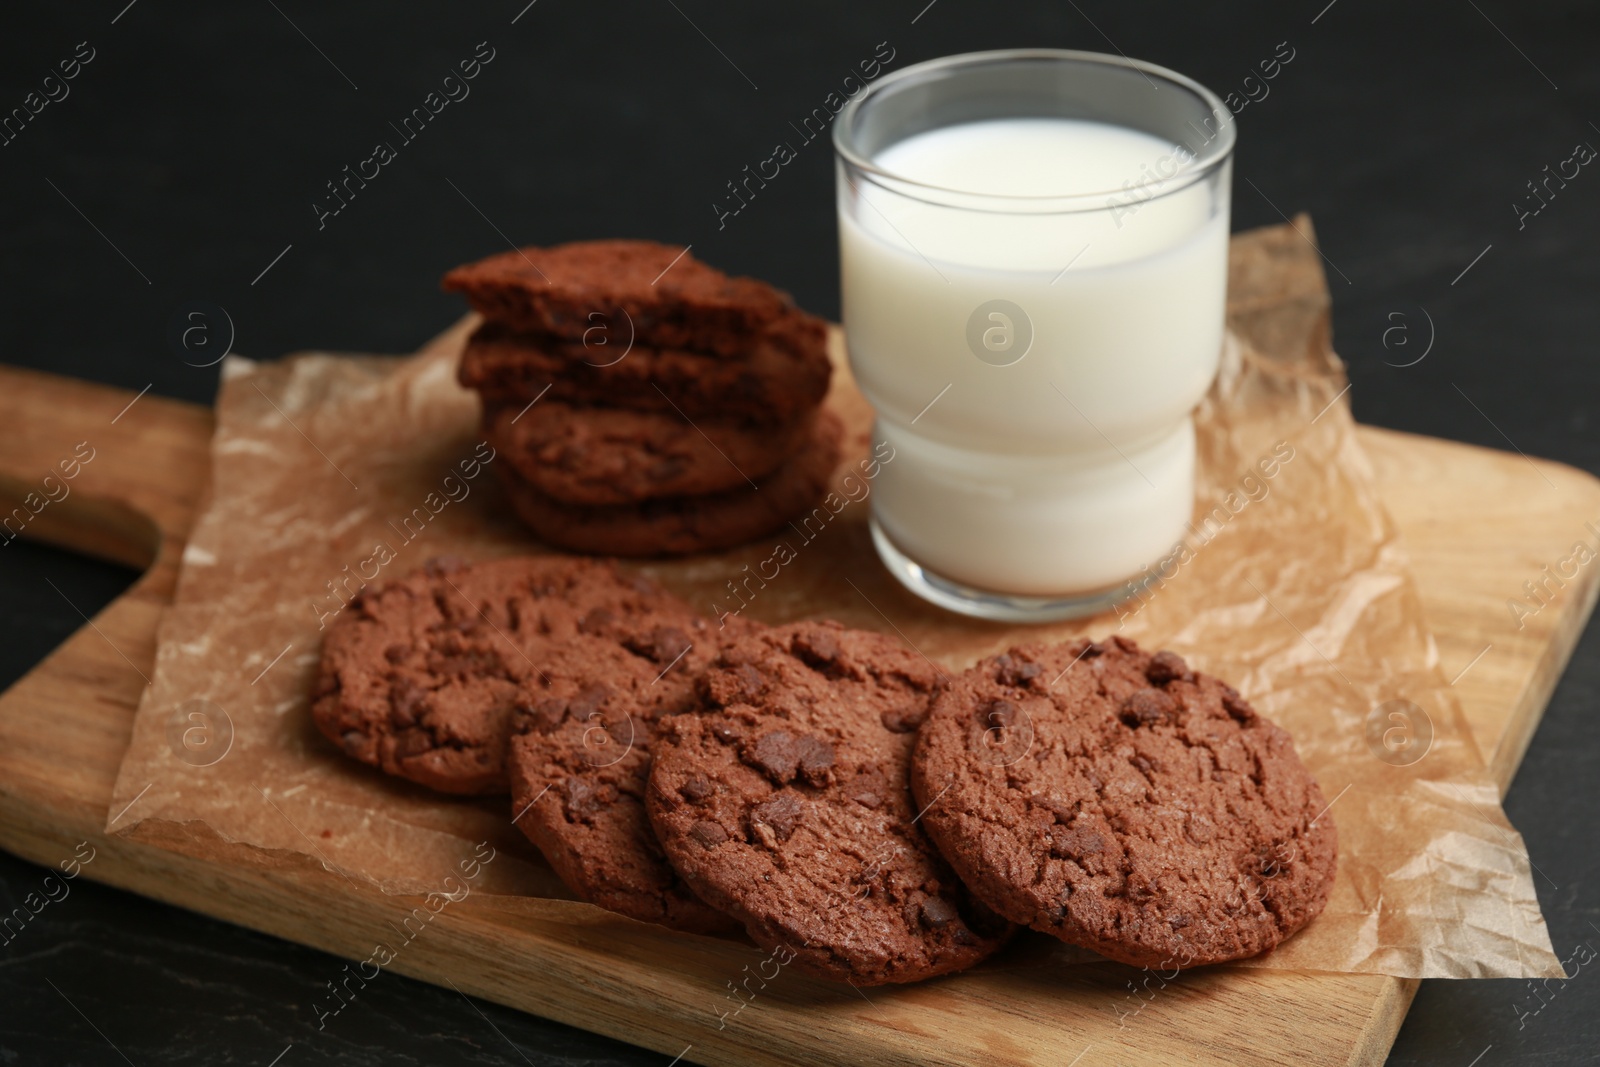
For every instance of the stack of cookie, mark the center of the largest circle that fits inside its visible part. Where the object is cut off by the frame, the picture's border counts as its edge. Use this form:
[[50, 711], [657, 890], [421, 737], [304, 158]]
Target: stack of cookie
[[645, 403], [857, 810]]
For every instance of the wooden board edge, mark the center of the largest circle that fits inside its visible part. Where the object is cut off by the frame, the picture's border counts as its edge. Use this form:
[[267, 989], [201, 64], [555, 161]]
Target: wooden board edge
[[1521, 726], [1382, 1026]]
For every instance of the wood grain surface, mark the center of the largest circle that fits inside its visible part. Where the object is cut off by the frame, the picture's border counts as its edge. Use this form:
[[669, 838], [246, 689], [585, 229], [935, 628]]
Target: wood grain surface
[[1478, 523]]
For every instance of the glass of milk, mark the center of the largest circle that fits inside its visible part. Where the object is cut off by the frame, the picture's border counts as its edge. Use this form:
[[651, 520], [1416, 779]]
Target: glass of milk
[[1034, 261]]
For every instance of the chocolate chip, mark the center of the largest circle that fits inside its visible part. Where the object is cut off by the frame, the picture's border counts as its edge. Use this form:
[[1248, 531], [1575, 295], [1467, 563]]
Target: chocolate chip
[[998, 713], [725, 733], [937, 912], [396, 652], [738, 683], [816, 648], [963, 936], [1237, 707], [708, 835], [584, 801], [1014, 672], [1166, 667], [738, 656], [543, 716], [354, 741], [402, 718], [1178, 922], [868, 788], [1145, 767], [1075, 843], [597, 620], [695, 790], [407, 702], [588, 701], [752, 683], [413, 743], [781, 756], [775, 754], [1148, 707], [816, 759], [1064, 810], [1092, 649], [664, 644], [782, 813], [904, 720]]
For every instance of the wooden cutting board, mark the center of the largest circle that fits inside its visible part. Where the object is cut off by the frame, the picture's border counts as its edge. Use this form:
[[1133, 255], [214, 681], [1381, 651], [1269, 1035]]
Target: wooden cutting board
[[64, 727]]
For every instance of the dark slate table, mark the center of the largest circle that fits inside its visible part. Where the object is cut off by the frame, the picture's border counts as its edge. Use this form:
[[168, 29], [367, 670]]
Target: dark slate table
[[185, 160]]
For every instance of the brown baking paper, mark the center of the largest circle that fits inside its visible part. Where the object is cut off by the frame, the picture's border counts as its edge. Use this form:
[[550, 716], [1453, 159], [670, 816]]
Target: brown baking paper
[[1293, 585]]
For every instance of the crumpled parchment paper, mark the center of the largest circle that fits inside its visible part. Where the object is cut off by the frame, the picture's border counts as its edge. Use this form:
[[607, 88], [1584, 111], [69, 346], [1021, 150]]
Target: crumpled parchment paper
[[329, 471]]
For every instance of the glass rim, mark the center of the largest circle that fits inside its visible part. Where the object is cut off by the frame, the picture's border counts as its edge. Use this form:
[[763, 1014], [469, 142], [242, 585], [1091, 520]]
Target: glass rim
[[1212, 156]]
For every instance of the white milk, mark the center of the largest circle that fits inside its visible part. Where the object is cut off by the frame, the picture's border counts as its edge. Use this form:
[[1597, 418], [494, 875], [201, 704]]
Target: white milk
[[1071, 468]]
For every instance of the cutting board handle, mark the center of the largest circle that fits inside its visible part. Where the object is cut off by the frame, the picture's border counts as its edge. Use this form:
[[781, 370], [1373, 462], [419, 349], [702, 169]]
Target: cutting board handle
[[107, 472]]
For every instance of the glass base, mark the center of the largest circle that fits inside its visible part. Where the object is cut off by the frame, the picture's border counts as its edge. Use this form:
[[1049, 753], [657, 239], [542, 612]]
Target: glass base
[[981, 604]]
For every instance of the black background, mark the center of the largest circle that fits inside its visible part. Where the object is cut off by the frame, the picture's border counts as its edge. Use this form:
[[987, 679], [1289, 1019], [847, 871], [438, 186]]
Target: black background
[[199, 136]]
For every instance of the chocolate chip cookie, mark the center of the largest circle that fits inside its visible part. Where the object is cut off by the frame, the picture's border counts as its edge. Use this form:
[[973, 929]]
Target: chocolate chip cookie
[[420, 676], [785, 804], [652, 294], [1122, 802], [580, 757], [680, 525], [588, 455], [781, 376]]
